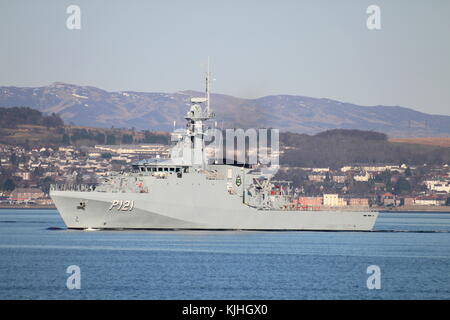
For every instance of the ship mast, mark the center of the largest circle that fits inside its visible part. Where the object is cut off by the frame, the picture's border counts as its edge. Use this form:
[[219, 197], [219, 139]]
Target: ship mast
[[208, 84], [195, 124]]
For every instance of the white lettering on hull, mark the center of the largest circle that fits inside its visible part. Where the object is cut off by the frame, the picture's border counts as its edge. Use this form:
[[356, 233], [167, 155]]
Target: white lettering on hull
[[122, 205]]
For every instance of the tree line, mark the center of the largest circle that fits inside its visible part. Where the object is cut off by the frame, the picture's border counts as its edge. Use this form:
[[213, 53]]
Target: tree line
[[339, 147], [11, 117]]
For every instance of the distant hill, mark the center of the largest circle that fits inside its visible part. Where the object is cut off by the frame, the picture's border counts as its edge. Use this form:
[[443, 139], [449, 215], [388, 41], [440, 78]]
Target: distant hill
[[337, 148], [11, 117], [90, 106], [440, 142], [28, 127]]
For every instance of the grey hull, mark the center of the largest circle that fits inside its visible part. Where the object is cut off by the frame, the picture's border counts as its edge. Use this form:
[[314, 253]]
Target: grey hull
[[159, 211]]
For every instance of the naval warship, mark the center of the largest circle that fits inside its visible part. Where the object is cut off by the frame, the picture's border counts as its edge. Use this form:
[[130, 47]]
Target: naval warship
[[179, 193]]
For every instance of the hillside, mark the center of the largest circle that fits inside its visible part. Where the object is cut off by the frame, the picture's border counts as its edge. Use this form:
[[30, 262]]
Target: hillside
[[331, 148], [27, 127], [11, 117], [93, 107], [434, 141], [337, 148]]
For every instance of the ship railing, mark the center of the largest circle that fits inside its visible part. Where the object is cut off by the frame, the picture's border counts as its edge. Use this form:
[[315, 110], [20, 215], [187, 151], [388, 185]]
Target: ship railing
[[73, 187]]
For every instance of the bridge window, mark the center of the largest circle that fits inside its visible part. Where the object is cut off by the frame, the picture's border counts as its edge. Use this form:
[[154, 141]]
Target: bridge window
[[142, 169]]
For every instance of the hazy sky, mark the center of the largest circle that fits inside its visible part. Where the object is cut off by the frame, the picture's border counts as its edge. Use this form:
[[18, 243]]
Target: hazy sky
[[257, 48]]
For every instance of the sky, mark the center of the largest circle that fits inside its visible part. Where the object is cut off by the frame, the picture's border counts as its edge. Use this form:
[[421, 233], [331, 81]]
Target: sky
[[315, 48]]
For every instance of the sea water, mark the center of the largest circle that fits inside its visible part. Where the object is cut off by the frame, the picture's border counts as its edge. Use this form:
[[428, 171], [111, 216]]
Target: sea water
[[411, 251]]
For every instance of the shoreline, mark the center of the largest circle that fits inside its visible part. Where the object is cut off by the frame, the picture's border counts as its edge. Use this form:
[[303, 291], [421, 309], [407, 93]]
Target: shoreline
[[15, 206], [435, 209], [443, 209]]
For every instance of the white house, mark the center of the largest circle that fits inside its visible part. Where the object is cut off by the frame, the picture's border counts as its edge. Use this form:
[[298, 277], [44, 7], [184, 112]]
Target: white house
[[438, 185]]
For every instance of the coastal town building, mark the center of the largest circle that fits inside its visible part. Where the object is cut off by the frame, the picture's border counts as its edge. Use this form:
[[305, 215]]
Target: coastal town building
[[310, 201], [388, 199], [148, 150], [316, 177], [339, 178], [358, 202], [438, 185], [24, 175], [407, 201], [364, 177], [26, 194], [429, 201], [333, 200], [374, 169]]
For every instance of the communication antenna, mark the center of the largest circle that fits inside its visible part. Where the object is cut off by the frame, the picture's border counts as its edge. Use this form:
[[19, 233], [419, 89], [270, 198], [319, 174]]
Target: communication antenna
[[208, 83]]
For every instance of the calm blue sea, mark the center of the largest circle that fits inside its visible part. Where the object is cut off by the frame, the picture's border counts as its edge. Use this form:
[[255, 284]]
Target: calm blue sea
[[412, 251]]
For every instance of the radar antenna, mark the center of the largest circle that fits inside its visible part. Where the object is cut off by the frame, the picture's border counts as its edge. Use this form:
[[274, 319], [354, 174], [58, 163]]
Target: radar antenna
[[208, 92], [208, 89]]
